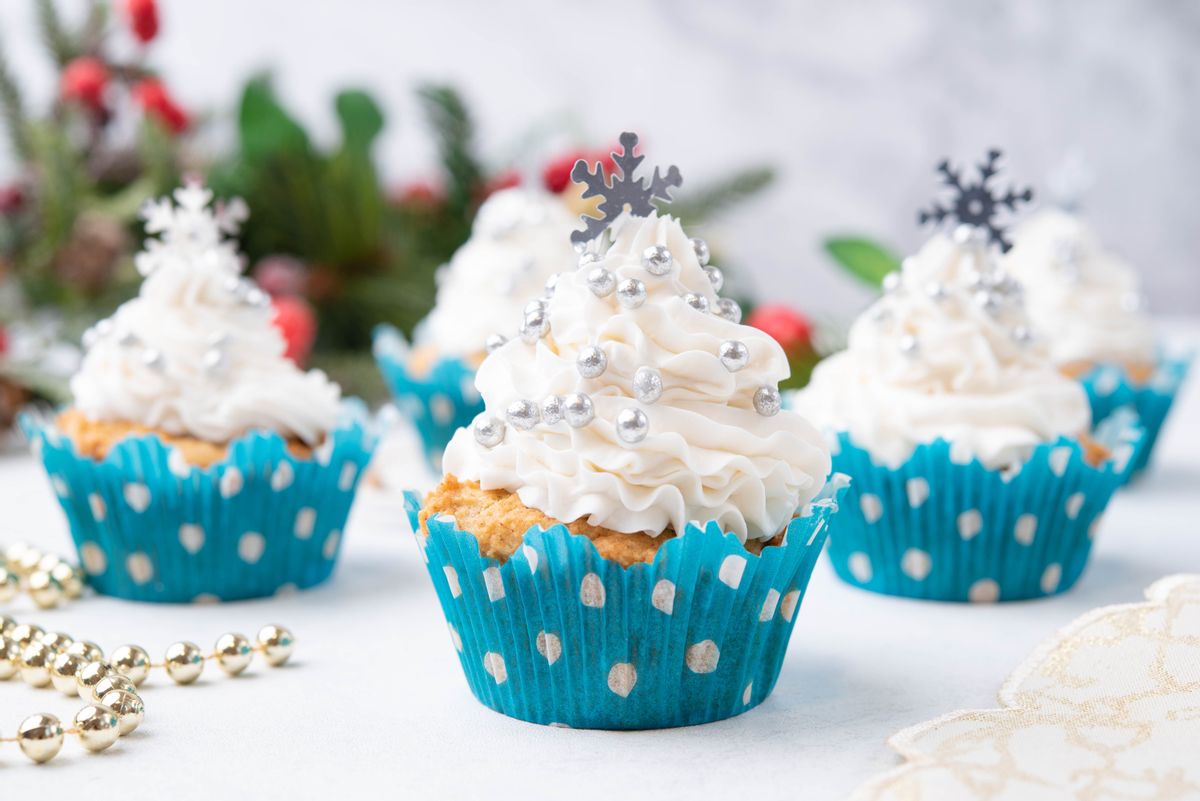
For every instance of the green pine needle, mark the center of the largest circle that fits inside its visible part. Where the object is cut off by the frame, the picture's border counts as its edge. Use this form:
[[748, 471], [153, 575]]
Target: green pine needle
[[12, 112], [711, 200], [60, 43], [455, 132]]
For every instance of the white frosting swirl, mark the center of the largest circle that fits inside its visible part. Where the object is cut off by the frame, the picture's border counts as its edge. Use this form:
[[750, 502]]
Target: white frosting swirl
[[1084, 300], [709, 455], [147, 363], [519, 239], [944, 354]]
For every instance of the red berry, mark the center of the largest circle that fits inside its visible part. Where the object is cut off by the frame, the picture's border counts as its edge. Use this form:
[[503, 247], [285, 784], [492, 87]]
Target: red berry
[[418, 195], [295, 320], [12, 198], [556, 175], [152, 96], [143, 18], [279, 275], [84, 80], [3, 340], [788, 327]]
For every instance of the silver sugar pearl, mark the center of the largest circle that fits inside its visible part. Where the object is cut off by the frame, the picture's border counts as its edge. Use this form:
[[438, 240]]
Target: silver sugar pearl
[[578, 410], [968, 235], [489, 431], [494, 342], [601, 281], [256, 297], [729, 309], [632, 425], [552, 409], [936, 291], [715, 277], [767, 401], [536, 326], [657, 260], [128, 339], [734, 355], [233, 285], [214, 361], [523, 414], [631, 293], [1022, 335], [647, 385], [591, 362], [987, 301], [891, 282], [697, 302], [700, 248], [535, 305], [908, 345], [153, 359]]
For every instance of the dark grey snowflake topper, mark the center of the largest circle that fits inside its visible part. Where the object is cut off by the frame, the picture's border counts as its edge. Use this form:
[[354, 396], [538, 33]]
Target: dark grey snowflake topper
[[624, 190], [977, 204]]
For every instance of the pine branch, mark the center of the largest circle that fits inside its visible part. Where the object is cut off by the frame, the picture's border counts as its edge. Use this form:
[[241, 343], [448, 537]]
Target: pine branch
[[455, 131], [92, 31], [54, 33], [12, 112], [715, 198]]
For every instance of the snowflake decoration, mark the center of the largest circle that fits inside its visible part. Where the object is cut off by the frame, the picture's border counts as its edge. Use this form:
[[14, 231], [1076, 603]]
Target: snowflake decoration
[[622, 192], [189, 230], [977, 204]]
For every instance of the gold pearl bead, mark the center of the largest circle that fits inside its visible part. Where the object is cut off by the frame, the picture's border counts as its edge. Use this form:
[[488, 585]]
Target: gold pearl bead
[[26, 560], [184, 662], [25, 634], [132, 662], [48, 561], [57, 640], [64, 673], [90, 676], [40, 737], [44, 589], [88, 650], [70, 578], [36, 661], [113, 681], [128, 706], [10, 585], [277, 644], [98, 727], [233, 653], [10, 655], [7, 624]]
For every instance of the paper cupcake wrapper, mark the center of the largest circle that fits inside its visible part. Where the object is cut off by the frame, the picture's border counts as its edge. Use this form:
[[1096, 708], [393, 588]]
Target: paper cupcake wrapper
[[935, 529], [438, 403], [559, 635], [1109, 388], [150, 527]]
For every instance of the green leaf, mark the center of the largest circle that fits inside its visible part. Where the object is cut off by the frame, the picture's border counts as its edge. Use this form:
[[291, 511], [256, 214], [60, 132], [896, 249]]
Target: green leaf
[[360, 117], [718, 196], [265, 127], [867, 260]]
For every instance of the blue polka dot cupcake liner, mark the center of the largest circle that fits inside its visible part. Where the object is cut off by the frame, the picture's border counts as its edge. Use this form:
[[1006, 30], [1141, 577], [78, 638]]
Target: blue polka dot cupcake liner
[[560, 636], [945, 530], [151, 527], [1109, 388], [437, 403]]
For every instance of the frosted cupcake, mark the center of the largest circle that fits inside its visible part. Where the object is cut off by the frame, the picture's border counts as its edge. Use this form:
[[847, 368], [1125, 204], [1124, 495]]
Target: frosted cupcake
[[1088, 305], [196, 461], [622, 538], [519, 239], [974, 474]]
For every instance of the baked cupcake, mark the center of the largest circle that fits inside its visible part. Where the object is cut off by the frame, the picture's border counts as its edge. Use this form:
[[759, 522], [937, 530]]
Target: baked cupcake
[[196, 461], [975, 476], [622, 538], [1088, 305], [519, 239]]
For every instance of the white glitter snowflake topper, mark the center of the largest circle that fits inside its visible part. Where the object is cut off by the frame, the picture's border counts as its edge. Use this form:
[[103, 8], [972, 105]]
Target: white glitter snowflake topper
[[623, 191], [189, 230]]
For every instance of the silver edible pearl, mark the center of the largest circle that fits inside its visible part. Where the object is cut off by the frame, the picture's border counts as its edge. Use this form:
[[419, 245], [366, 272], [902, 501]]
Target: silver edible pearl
[[767, 401], [936, 291], [700, 248], [891, 282], [552, 409], [987, 301], [734, 355], [153, 359], [1022, 335], [601, 281], [697, 302], [256, 297], [631, 293], [536, 326], [657, 260], [908, 345], [715, 277], [647, 385], [578, 410], [535, 305], [729, 309], [523, 414], [494, 341], [489, 431], [632, 425], [214, 361], [591, 362], [128, 339]]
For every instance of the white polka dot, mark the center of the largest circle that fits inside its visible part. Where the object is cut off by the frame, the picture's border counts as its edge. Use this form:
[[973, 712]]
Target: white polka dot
[[442, 409], [1051, 577], [1094, 527], [452, 580], [531, 556], [1025, 529], [177, 464], [494, 583], [787, 607], [191, 537], [591, 591], [1074, 505], [747, 693], [768, 608], [137, 496], [347, 477], [860, 567], [1060, 457], [731, 570], [872, 507], [60, 486], [324, 452], [231, 482], [306, 519], [984, 591], [662, 597], [454, 638], [1121, 456], [283, 477], [549, 646], [286, 589], [918, 491], [206, 599], [916, 564], [621, 678], [493, 663], [1106, 382], [139, 568], [99, 508], [329, 550], [94, 560], [702, 657], [251, 547], [970, 523]]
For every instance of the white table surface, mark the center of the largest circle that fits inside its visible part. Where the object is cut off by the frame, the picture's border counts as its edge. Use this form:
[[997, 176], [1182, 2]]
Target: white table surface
[[374, 699]]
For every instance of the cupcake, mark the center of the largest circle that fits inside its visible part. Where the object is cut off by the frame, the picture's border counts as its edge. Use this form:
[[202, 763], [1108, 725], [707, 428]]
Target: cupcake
[[519, 239], [196, 461], [623, 537], [975, 475], [1088, 305]]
